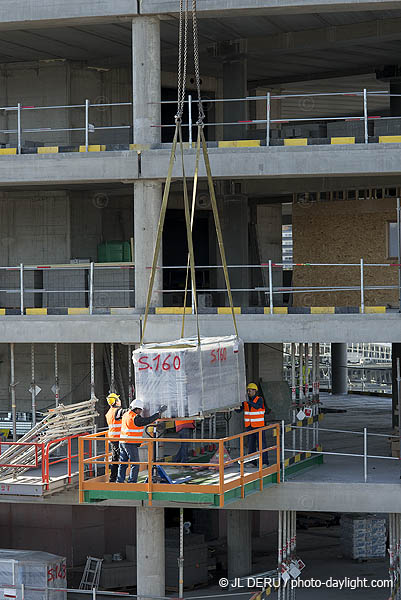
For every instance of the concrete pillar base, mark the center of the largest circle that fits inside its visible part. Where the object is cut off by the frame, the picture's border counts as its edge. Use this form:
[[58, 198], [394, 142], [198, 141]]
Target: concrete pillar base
[[150, 552], [339, 370], [239, 543]]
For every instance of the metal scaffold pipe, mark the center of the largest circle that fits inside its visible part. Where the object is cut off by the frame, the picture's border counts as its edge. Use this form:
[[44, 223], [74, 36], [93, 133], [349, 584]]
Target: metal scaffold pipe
[[56, 377], [12, 389], [181, 557], [33, 385]]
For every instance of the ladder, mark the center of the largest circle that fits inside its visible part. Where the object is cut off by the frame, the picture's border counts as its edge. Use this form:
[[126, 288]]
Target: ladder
[[91, 575]]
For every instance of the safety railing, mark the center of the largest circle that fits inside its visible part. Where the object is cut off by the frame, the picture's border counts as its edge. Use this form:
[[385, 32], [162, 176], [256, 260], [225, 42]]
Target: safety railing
[[223, 484], [85, 123], [94, 286], [42, 459], [266, 129], [365, 456], [84, 132]]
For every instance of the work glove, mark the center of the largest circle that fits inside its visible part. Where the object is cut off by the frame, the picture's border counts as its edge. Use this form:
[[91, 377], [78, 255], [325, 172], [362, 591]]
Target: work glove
[[163, 409]]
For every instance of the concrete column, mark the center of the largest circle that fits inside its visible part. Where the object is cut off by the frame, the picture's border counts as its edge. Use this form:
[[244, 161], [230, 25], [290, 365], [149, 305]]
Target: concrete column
[[150, 552], [269, 241], [339, 370], [146, 79], [234, 86], [146, 93], [239, 543], [271, 362]]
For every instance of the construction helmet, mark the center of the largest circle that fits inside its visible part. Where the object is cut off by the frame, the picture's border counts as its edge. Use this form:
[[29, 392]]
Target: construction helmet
[[136, 404], [112, 398], [252, 386]]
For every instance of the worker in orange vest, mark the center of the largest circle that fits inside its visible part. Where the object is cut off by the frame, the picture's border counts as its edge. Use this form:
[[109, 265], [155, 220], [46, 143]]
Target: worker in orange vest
[[132, 430], [183, 429], [254, 418], [113, 417]]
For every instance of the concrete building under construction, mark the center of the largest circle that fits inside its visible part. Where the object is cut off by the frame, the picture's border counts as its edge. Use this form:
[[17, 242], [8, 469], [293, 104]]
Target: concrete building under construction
[[302, 103]]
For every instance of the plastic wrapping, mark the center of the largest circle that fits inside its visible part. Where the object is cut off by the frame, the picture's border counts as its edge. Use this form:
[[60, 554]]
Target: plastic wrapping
[[191, 379], [363, 536], [38, 570]]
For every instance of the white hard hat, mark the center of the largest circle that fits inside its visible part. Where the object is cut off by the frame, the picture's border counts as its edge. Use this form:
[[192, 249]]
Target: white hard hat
[[136, 404]]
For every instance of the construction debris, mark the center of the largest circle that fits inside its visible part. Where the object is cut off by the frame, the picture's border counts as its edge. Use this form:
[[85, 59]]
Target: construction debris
[[60, 422]]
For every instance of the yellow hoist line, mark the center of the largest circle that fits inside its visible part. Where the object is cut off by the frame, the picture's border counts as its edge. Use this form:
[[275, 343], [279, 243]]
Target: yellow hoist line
[[189, 217]]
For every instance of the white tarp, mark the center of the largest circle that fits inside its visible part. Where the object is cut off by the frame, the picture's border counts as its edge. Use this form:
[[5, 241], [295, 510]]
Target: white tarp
[[39, 570], [191, 379]]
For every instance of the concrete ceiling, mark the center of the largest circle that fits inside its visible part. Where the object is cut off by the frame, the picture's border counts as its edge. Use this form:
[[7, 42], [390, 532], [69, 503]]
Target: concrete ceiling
[[280, 48]]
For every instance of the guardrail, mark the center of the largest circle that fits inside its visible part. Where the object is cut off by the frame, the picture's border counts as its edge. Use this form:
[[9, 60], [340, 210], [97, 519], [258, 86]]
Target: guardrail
[[218, 488], [265, 129], [42, 457], [93, 291]]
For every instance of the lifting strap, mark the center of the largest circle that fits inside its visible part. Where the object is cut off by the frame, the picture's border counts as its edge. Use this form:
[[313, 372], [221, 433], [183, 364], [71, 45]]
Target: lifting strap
[[201, 142]]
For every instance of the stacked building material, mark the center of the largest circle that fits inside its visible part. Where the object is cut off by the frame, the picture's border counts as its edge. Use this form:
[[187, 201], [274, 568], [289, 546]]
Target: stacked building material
[[363, 536], [191, 379], [60, 422]]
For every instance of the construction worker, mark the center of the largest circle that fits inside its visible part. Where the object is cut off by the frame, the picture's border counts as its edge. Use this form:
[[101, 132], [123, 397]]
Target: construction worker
[[132, 430], [113, 417], [254, 418], [183, 429]]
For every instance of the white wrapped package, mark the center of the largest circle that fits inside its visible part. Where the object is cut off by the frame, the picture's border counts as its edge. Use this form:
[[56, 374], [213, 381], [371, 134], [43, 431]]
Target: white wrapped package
[[191, 379]]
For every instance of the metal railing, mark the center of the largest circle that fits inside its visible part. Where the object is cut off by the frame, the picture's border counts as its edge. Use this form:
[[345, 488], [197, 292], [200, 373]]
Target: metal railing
[[88, 126], [222, 485], [42, 458], [97, 293], [269, 122], [364, 455]]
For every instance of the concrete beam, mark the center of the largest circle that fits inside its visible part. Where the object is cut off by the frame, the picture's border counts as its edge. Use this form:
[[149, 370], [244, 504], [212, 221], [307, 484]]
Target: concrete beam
[[29, 14], [327, 37], [68, 168], [209, 8], [161, 328], [283, 162], [289, 168]]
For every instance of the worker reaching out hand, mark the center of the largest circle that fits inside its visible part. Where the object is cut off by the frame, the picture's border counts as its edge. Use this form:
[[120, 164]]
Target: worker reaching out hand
[[254, 418], [132, 430]]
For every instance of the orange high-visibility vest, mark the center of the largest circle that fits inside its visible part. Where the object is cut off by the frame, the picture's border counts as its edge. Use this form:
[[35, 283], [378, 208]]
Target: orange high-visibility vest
[[184, 425], [129, 431], [253, 417], [114, 425]]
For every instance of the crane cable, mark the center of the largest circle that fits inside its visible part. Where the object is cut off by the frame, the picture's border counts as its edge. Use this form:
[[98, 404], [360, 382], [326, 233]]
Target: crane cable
[[201, 143]]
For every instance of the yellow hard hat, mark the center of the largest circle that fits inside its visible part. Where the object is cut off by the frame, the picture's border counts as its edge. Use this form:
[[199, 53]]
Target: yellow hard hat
[[252, 386], [112, 398]]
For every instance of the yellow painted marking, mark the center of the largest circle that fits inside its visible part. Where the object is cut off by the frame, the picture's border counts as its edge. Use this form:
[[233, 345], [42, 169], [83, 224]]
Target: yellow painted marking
[[139, 147], [226, 310], [173, 310], [279, 310], [321, 417], [308, 455], [288, 428], [375, 309], [287, 462], [389, 139], [297, 142], [343, 140], [239, 144], [320, 310], [8, 150], [299, 423], [78, 311], [93, 148], [48, 150], [310, 421], [36, 311], [297, 458], [2, 311]]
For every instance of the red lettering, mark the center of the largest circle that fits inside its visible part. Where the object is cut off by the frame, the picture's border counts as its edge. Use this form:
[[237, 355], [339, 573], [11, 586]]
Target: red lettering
[[158, 361], [142, 361], [177, 365], [213, 355], [165, 365]]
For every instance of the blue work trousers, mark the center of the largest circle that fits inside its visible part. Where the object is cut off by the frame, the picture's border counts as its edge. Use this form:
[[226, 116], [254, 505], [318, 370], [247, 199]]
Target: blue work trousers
[[253, 445], [128, 452]]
